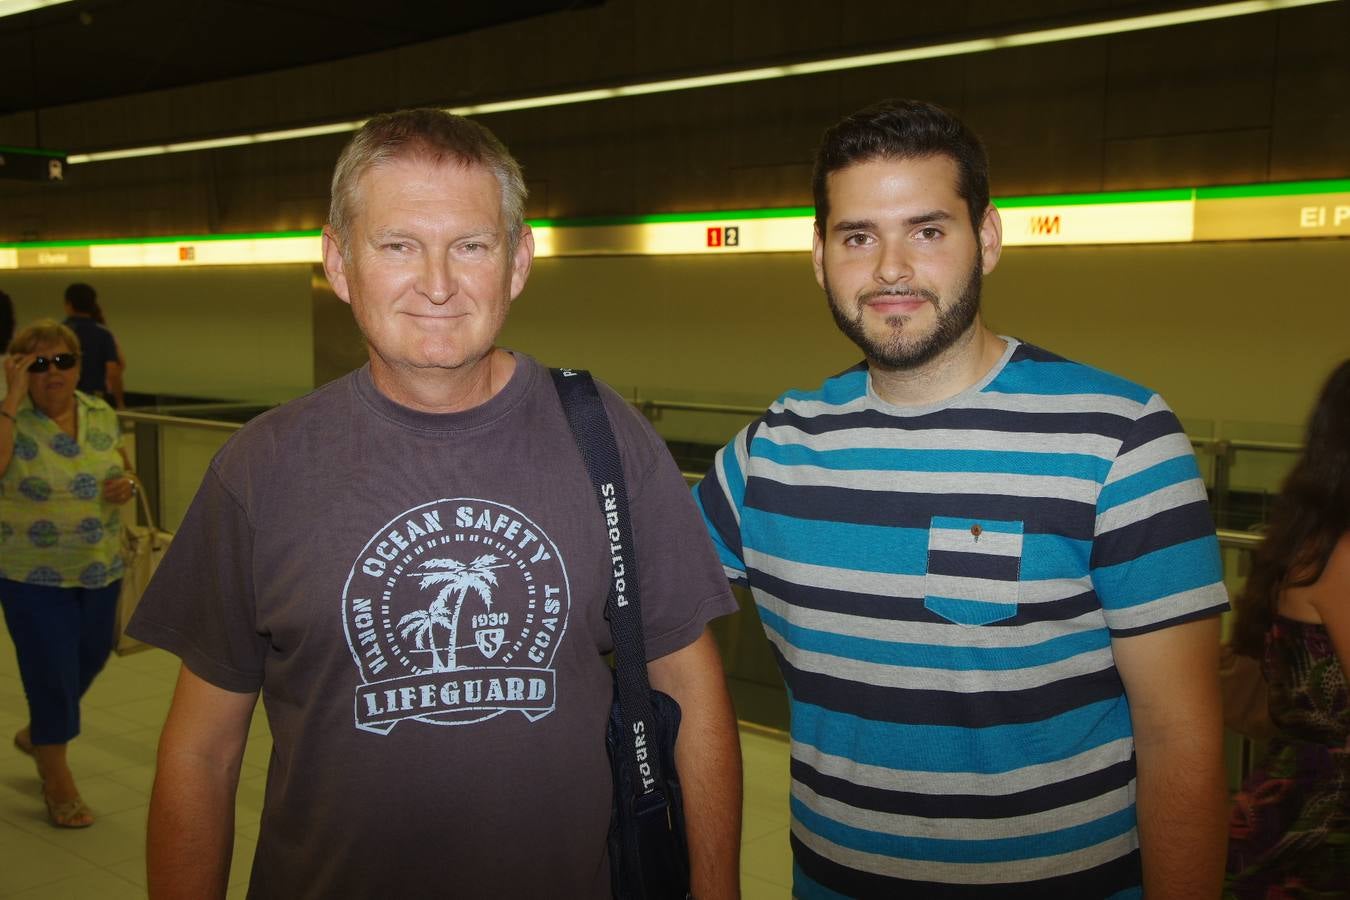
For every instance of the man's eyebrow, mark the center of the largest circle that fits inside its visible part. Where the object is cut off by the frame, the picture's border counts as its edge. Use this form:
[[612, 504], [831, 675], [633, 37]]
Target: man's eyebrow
[[854, 225], [934, 215], [401, 234]]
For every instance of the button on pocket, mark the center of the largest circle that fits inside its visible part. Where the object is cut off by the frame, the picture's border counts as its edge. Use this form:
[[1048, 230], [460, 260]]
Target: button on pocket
[[974, 566]]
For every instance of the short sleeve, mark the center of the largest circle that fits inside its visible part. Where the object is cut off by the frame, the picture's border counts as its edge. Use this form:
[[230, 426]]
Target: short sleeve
[[1155, 557], [200, 603], [683, 588], [720, 497]]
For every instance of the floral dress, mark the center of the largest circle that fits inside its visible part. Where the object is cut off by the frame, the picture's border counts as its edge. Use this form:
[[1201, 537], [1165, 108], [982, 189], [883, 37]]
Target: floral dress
[[56, 529], [1289, 833]]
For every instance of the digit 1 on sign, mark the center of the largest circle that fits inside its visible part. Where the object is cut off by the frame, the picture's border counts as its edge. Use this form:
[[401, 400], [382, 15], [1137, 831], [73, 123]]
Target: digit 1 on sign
[[714, 237]]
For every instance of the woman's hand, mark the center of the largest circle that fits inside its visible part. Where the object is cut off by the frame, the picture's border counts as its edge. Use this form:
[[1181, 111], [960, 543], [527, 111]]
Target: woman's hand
[[119, 490], [16, 373]]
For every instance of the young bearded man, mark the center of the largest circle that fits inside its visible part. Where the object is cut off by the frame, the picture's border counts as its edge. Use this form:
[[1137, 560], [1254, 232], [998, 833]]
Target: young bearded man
[[989, 574]]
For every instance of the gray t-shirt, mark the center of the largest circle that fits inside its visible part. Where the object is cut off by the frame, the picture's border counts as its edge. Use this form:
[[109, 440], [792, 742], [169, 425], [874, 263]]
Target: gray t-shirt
[[420, 600]]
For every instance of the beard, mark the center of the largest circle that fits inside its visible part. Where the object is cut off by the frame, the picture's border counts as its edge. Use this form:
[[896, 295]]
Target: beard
[[898, 349]]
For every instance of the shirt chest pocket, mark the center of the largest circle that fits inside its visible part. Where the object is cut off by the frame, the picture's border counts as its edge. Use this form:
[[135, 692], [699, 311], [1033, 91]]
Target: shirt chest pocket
[[974, 567]]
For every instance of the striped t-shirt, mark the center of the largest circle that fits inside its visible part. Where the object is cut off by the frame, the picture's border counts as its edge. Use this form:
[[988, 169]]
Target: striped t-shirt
[[941, 585]]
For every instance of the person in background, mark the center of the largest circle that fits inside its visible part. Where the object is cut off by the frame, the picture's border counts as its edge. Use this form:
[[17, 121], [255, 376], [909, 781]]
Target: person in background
[[103, 363], [989, 573], [1289, 833], [62, 477]]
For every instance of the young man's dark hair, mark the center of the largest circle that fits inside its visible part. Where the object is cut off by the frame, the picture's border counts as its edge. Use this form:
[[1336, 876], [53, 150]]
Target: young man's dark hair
[[903, 129]]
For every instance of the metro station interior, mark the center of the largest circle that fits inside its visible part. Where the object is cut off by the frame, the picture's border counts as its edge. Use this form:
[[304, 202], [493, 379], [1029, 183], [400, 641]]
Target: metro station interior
[[1176, 199]]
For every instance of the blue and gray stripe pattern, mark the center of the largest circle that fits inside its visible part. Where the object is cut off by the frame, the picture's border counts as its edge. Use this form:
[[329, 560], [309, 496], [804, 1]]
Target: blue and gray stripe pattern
[[941, 586]]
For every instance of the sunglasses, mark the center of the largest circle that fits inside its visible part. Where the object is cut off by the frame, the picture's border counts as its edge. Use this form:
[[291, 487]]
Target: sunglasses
[[62, 361]]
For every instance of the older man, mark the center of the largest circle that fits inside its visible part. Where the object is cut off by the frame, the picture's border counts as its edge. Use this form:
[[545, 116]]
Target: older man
[[410, 566], [990, 573]]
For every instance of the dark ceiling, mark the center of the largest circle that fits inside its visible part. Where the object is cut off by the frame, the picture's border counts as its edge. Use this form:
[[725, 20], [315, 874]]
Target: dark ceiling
[[89, 49]]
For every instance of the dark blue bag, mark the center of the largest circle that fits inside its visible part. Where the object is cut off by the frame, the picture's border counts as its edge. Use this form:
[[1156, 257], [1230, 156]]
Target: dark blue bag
[[648, 850]]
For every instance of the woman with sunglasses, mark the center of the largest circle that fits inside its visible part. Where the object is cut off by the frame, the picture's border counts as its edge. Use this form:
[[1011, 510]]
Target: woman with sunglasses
[[62, 476]]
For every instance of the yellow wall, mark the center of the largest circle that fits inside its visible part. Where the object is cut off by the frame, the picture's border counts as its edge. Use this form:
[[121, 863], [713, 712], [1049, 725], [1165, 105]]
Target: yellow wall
[[1237, 337], [1240, 334], [224, 332]]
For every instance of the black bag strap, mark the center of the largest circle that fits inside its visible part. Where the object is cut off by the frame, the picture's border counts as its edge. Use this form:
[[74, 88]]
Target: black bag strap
[[590, 427]]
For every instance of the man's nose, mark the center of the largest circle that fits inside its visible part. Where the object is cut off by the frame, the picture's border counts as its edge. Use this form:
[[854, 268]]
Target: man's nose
[[893, 264], [437, 280]]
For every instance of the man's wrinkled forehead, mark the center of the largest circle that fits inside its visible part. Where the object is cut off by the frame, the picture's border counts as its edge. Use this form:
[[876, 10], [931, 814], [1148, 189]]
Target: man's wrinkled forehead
[[411, 163]]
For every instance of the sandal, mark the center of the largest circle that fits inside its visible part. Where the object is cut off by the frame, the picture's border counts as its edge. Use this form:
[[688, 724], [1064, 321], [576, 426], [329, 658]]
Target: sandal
[[71, 814]]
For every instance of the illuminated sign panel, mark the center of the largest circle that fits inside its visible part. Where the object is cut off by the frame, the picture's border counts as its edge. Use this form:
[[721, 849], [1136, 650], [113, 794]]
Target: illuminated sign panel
[[750, 231], [250, 251], [1316, 209], [1284, 211], [1155, 222], [75, 257]]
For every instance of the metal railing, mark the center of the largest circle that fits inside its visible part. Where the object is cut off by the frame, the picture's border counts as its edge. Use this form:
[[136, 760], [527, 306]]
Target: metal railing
[[149, 429], [652, 409], [1238, 540], [1223, 454]]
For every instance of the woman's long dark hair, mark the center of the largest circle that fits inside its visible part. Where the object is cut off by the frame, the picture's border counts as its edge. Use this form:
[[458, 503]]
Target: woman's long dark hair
[[6, 321], [1309, 517]]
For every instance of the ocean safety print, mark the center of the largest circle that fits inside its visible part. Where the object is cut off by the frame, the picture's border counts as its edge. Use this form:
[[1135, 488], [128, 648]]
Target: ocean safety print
[[453, 613]]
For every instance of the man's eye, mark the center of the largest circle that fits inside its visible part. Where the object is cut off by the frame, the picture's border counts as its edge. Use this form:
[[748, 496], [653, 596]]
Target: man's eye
[[857, 240], [930, 233], [395, 246]]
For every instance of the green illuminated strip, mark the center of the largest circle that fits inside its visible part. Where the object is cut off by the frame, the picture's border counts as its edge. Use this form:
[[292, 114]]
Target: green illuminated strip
[[33, 151], [716, 215], [1160, 196], [182, 239], [1280, 189]]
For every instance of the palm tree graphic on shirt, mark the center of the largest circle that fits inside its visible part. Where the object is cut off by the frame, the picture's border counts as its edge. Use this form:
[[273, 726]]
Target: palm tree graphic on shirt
[[456, 579]]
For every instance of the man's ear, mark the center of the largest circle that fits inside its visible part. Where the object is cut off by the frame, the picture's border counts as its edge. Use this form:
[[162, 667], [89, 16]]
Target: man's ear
[[991, 238], [523, 261], [334, 266], [818, 256]]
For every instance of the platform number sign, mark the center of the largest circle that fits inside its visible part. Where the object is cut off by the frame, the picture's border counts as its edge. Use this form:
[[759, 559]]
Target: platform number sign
[[724, 236]]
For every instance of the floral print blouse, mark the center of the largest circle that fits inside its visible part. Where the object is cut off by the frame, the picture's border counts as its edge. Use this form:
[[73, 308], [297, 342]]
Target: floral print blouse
[[55, 528]]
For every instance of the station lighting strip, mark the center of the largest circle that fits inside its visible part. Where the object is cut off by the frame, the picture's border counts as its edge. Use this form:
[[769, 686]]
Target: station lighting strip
[[743, 76], [14, 7], [1300, 209]]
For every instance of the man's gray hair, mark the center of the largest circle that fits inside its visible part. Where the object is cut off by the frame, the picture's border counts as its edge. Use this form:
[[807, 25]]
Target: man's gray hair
[[433, 135]]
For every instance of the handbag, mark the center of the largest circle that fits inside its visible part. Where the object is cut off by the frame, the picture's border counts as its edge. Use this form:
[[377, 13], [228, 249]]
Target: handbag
[[648, 849], [143, 547], [1245, 695]]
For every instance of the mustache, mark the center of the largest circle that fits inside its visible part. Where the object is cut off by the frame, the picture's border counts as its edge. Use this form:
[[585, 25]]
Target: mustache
[[922, 293]]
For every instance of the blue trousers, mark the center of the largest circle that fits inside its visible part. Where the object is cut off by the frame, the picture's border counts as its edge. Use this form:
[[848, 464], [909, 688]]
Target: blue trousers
[[62, 637]]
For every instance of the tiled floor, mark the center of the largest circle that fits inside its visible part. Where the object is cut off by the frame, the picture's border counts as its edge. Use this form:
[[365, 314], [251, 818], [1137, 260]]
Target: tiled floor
[[113, 760]]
